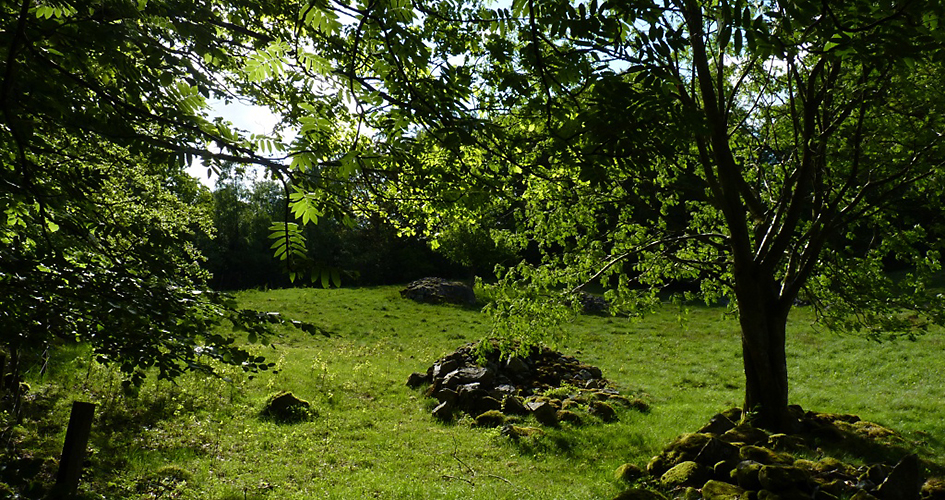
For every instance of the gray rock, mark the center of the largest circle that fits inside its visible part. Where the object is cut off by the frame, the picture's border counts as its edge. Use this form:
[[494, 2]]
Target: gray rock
[[446, 395], [543, 411], [417, 379], [512, 405], [443, 412], [440, 369], [719, 424], [904, 481], [467, 375], [516, 366], [439, 290], [483, 404]]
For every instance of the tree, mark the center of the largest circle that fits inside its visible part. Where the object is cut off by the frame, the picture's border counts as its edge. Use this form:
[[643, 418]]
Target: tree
[[762, 149], [102, 105]]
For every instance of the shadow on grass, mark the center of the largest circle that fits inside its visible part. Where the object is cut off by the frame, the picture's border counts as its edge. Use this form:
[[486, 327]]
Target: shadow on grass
[[846, 436]]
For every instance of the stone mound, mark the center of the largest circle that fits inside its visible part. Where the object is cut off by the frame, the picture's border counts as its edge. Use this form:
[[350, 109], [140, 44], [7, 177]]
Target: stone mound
[[439, 291], [593, 304], [729, 460], [545, 384]]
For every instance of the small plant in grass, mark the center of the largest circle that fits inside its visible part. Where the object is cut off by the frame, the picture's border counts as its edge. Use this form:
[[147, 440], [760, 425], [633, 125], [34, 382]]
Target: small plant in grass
[[564, 391]]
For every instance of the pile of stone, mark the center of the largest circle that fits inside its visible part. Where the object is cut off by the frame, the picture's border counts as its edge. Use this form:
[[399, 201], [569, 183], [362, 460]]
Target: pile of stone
[[545, 384], [593, 304], [439, 291], [725, 460]]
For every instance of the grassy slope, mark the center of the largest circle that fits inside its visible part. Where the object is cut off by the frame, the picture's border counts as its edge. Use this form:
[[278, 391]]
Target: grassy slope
[[374, 437]]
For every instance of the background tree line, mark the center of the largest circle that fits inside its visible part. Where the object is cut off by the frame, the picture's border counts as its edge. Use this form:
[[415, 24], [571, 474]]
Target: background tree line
[[369, 251]]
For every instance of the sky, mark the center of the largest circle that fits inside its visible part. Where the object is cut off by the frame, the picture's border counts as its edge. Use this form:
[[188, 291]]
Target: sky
[[254, 119]]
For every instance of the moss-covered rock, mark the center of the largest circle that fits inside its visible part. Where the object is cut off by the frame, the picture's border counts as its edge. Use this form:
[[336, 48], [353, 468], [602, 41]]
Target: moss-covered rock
[[933, 489], [685, 447], [782, 477], [686, 474], [629, 473], [639, 494], [516, 432], [745, 433], [569, 417], [285, 407], [603, 411], [764, 455], [720, 490], [490, 418], [746, 475]]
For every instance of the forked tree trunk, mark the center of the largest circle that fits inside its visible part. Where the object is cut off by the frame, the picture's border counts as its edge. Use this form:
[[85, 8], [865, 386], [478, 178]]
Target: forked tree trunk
[[763, 319]]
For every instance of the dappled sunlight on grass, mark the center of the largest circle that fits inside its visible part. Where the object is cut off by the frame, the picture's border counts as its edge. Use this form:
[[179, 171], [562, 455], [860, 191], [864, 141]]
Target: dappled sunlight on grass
[[371, 435]]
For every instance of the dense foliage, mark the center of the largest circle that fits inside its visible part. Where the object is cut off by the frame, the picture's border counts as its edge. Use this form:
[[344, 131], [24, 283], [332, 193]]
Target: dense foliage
[[367, 252], [102, 105], [761, 150]]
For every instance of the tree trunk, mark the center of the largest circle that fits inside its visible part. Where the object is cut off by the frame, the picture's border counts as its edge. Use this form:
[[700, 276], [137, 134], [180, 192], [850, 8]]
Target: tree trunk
[[763, 317]]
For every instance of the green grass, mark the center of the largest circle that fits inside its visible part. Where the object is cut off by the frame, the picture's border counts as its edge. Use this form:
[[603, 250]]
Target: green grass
[[372, 437]]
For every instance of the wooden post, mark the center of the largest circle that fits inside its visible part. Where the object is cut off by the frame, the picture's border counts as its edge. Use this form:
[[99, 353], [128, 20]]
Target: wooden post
[[73, 450]]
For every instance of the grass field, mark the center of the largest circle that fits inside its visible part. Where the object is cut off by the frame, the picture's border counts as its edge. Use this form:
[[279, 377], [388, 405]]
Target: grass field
[[373, 437]]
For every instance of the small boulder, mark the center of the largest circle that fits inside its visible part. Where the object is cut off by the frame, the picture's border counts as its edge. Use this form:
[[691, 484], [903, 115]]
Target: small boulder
[[602, 410], [764, 455], [782, 442], [719, 424], [629, 473], [439, 290], [544, 412], [782, 477], [286, 407], [639, 494], [716, 450], [512, 405], [904, 482], [745, 433], [720, 490], [685, 447], [446, 395], [482, 404], [685, 474], [467, 375], [747, 473], [443, 412], [933, 489], [569, 417], [491, 418], [516, 432], [416, 379]]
